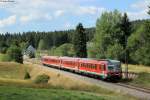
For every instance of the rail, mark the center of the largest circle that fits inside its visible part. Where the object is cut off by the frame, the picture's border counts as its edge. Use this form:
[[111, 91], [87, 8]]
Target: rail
[[146, 90]]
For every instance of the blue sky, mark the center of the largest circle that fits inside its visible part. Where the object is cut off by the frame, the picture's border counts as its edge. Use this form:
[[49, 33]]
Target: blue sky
[[50, 15]]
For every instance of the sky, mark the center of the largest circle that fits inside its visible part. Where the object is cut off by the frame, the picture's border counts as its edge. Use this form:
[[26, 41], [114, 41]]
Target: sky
[[51, 15]]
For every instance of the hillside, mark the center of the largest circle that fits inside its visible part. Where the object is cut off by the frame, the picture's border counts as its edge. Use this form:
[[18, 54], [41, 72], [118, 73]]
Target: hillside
[[14, 87]]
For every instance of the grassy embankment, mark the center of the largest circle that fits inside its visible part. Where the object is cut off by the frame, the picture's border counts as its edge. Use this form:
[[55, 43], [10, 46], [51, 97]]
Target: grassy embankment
[[4, 57], [143, 79], [14, 87]]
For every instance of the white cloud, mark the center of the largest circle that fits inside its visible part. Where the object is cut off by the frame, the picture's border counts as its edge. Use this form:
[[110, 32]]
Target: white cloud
[[8, 21], [138, 15], [143, 4], [59, 13], [92, 10], [33, 17], [25, 19], [31, 10], [141, 8]]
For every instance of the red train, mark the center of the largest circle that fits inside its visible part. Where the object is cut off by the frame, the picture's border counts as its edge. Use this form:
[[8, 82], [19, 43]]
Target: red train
[[105, 69]]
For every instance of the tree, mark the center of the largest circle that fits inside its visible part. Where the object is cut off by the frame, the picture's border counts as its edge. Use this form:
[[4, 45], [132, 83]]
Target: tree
[[79, 42], [108, 33], [114, 51], [65, 50], [139, 45], [3, 47], [15, 54], [126, 32], [126, 29], [42, 45]]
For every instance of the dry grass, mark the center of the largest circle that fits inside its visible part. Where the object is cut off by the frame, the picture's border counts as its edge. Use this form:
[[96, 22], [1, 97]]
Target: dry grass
[[11, 70], [137, 68]]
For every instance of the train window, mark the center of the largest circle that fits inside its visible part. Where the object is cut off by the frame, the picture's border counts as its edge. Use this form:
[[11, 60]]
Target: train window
[[102, 67], [88, 65], [81, 65], [92, 66], [85, 65]]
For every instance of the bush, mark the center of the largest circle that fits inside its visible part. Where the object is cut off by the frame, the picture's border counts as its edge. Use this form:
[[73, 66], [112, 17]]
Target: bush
[[41, 79], [15, 54], [3, 50], [27, 75]]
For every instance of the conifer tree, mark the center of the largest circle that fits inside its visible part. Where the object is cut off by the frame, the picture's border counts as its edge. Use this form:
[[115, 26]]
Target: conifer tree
[[79, 41]]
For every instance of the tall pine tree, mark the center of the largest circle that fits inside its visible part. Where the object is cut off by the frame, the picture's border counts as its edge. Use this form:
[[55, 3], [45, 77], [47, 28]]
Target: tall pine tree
[[126, 29], [79, 41]]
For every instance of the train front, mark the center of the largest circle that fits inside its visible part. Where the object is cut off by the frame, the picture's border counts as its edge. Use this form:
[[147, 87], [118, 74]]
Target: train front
[[114, 70]]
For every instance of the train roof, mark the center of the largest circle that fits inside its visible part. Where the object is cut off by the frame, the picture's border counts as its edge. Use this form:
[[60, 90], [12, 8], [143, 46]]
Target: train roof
[[83, 59], [50, 57], [107, 60], [69, 58]]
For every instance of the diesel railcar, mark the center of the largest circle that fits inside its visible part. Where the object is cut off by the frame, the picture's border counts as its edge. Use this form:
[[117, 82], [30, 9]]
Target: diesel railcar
[[104, 68]]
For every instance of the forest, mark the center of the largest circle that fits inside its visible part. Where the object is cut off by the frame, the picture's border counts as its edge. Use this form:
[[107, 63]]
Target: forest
[[114, 37]]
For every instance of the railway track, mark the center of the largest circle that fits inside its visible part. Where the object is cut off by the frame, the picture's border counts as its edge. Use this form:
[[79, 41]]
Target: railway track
[[141, 93], [134, 87]]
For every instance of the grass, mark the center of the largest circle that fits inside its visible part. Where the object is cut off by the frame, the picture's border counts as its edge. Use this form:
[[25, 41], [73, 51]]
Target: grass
[[14, 93], [137, 68], [44, 94], [14, 87], [143, 80], [4, 57], [12, 70]]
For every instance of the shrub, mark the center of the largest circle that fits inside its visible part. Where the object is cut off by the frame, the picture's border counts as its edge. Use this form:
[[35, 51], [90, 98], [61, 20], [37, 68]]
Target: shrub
[[27, 75], [3, 50], [15, 54], [41, 79]]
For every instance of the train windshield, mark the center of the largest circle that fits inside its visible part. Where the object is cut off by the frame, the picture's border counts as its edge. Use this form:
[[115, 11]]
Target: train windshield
[[114, 65]]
